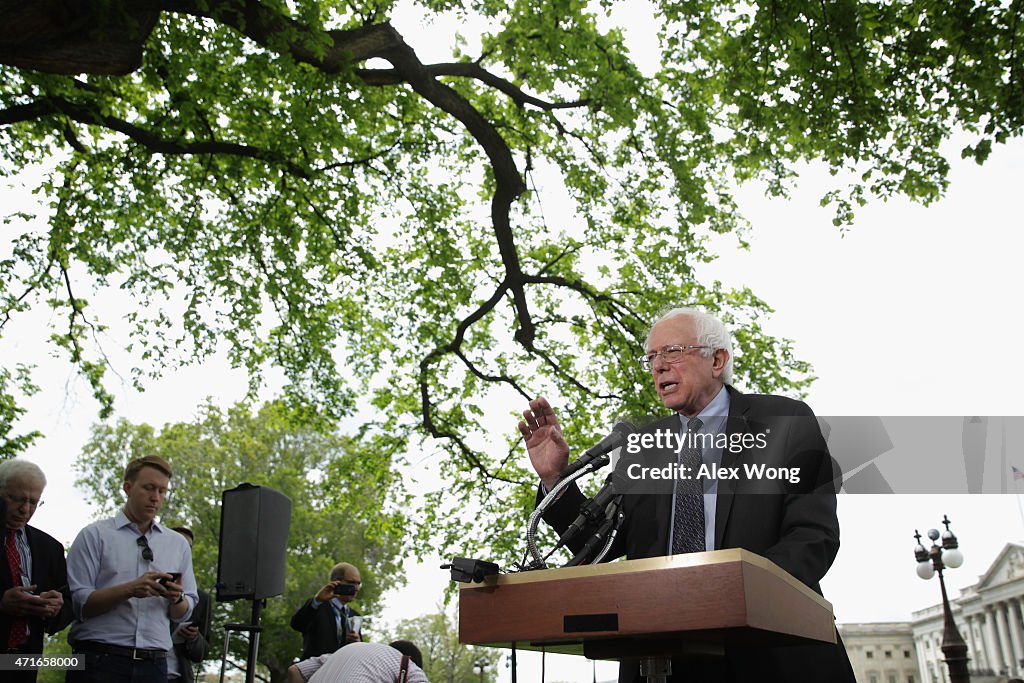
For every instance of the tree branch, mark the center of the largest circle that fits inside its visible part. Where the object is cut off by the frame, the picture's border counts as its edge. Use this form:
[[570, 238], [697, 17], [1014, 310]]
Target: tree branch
[[8, 313], [558, 370], [331, 52], [454, 347], [504, 379], [469, 70], [24, 112], [159, 145]]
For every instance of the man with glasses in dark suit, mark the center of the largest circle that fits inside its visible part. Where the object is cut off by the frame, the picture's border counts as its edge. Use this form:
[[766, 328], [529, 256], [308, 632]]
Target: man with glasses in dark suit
[[129, 577], [33, 573], [795, 525], [326, 620]]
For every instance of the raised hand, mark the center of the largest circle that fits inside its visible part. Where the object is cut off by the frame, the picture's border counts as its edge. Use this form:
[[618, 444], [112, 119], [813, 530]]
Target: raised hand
[[326, 593], [549, 453]]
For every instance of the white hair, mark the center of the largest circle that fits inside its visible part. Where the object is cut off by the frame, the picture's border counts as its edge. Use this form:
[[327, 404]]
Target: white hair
[[710, 332], [16, 468]]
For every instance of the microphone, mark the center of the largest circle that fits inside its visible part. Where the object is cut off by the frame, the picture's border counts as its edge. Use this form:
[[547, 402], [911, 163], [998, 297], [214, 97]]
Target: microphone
[[592, 511], [595, 541], [606, 445]]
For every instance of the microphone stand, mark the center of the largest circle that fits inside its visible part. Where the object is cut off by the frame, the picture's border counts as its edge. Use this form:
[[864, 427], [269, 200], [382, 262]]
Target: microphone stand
[[605, 535], [531, 528]]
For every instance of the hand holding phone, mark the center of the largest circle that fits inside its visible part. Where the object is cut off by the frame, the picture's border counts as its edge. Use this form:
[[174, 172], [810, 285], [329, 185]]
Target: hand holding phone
[[175, 578]]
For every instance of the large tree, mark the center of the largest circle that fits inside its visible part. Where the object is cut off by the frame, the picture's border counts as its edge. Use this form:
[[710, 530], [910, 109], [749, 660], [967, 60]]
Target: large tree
[[345, 506], [292, 183]]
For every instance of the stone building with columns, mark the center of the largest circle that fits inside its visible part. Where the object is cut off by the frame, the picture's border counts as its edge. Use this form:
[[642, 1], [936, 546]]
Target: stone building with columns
[[882, 652], [989, 616]]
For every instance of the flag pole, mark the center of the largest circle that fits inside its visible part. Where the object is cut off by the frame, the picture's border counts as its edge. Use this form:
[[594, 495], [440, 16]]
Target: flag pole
[[1019, 508], [1017, 476]]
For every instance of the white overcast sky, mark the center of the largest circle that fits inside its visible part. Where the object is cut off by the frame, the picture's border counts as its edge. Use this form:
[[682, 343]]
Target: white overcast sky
[[915, 311]]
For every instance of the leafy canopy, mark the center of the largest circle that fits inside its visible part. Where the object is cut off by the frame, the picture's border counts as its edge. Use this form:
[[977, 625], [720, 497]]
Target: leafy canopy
[[290, 183]]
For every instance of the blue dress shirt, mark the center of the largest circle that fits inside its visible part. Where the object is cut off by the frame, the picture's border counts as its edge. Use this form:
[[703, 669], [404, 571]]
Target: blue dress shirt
[[105, 554]]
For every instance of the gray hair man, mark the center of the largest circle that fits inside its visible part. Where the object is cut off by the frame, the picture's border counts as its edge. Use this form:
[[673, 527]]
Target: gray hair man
[[689, 355], [33, 573]]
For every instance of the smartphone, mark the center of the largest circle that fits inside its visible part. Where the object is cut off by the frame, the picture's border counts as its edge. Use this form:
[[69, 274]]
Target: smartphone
[[175, 578], [345, 589]]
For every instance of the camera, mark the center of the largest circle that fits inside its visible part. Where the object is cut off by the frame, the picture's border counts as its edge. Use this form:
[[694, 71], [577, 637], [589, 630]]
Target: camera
[[345, 589]]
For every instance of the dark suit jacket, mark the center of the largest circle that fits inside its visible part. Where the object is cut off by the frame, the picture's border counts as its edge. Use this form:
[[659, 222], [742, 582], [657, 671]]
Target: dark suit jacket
[[49, 572], [319, 629], [195, 651], [793, 525]]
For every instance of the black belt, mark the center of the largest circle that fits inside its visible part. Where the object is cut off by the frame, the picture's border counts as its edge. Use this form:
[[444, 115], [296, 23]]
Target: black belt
[[104, 649]]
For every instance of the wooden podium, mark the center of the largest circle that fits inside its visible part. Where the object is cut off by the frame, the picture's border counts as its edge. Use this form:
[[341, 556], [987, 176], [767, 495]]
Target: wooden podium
[[676, 606]]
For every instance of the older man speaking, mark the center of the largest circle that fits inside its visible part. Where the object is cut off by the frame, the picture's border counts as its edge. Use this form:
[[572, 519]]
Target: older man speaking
[[689, 355]]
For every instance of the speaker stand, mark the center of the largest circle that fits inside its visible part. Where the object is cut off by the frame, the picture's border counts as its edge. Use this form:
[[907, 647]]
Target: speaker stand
[[253, 630], [655, 669]]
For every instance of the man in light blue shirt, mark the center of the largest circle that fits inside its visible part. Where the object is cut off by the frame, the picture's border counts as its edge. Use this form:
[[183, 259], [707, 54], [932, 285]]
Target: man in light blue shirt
[[129, 576]]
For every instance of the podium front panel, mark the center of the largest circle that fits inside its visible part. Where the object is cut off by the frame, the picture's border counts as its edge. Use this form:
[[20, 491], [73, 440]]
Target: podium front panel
[[656, 606]]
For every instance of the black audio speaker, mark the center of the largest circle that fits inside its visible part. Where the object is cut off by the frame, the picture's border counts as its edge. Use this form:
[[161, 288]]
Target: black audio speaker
[[254, 523]]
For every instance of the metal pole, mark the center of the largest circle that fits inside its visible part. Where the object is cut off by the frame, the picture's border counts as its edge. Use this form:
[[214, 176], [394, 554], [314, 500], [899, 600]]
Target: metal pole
[[254, 642], [224, 659], [953, 646], [655, 669]]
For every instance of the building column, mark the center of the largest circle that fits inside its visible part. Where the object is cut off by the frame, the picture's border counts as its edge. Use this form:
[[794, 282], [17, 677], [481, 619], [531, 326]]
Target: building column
[[922, 660], [992, 640], [1014, 638], [972, 650], [1016, 631], [1004, 637], [976, 648], [984, 641]]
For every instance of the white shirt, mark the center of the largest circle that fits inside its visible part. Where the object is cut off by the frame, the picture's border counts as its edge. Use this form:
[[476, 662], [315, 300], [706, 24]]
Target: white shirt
[[359, 663]]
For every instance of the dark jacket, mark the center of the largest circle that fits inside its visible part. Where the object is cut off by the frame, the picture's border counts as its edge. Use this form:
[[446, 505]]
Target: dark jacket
[[794, 526], [194, 652], [319, 629], [49, 572]]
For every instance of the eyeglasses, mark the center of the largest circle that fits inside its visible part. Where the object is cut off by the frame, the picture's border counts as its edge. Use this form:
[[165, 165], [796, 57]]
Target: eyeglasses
[[18, 502], [669, 354], [147, 552]]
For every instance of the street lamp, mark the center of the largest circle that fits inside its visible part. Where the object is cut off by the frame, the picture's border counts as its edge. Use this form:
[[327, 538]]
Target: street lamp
[[932, 560], [481, 664]]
